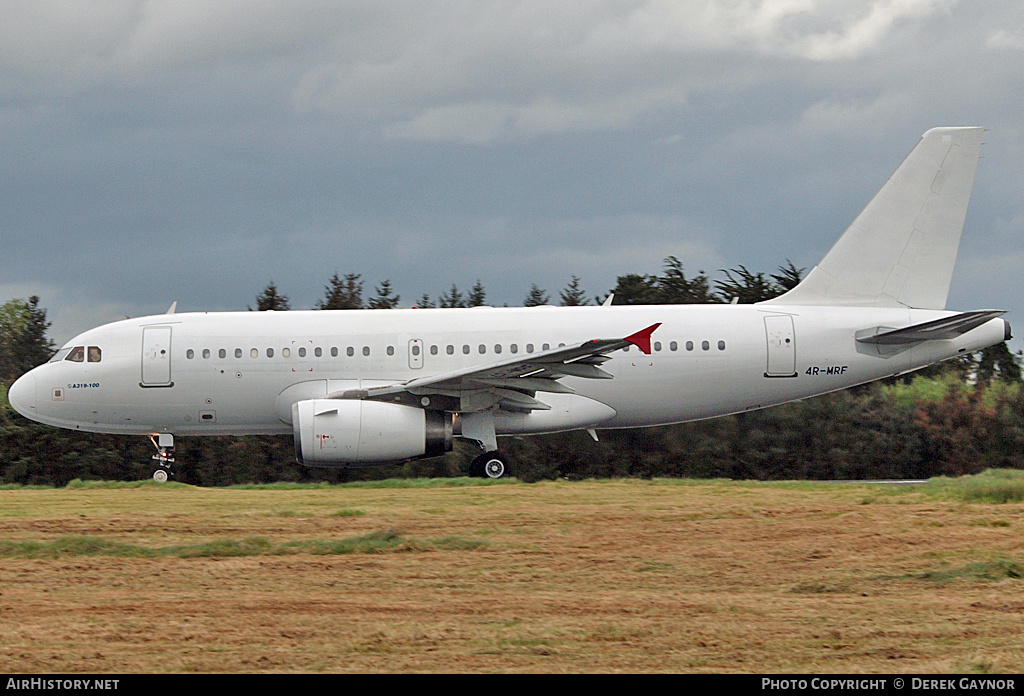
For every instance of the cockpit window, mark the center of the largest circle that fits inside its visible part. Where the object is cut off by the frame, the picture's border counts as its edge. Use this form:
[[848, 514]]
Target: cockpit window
[[61, 354], [93, 354]]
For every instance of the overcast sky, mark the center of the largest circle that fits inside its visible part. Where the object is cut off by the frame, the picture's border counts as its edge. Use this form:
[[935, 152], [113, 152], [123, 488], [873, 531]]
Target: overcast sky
[[189, 151]]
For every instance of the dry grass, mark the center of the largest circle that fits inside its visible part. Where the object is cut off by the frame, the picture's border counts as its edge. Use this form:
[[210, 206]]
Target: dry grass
[[627, 576]]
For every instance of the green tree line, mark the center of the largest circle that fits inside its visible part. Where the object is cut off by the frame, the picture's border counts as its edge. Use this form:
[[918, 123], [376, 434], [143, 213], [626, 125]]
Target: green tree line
[[959, 417]]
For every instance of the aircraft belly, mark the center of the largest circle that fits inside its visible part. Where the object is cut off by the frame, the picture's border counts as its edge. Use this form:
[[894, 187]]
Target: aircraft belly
[[567, 412], [668, 390]]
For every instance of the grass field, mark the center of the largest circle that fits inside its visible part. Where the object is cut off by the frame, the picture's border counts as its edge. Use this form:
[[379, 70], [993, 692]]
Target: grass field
[[458, 576]]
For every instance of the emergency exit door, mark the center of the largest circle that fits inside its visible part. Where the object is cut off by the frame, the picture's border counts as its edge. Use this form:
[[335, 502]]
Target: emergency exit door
[[415, 353]]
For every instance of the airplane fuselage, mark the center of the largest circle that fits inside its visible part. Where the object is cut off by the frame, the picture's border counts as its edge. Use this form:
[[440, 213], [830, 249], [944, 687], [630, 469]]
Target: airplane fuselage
[[240, 373]]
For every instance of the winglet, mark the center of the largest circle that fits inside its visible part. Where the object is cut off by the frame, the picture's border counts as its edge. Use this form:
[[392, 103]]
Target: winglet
[[642, 339]]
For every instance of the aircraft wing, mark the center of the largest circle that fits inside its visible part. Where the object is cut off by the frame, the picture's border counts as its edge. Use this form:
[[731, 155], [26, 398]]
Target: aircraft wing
[[512, 383]]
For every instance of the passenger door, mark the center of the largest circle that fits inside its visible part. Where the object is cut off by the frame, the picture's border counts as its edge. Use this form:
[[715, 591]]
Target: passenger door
[[156, 356], [781, 346]]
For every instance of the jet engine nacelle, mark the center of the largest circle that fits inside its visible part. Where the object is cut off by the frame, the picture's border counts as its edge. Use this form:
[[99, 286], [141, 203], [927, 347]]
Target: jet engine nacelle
[[339, 432]]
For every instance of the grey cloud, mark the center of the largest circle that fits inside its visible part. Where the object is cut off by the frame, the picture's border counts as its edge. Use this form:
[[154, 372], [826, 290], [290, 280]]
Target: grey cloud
[[158, 151]]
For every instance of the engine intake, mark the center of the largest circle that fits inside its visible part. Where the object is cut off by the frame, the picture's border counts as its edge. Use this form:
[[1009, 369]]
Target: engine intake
[[338, 432]]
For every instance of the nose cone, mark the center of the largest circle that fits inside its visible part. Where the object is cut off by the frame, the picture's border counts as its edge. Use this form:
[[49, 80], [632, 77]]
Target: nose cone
[[22, 395]]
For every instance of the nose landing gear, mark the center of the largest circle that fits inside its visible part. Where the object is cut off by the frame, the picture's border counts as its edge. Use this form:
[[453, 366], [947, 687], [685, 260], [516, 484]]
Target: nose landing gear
[[164, 457]]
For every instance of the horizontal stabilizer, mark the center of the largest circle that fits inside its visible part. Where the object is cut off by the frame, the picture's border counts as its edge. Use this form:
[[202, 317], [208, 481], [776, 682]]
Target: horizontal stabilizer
[[939, 329]]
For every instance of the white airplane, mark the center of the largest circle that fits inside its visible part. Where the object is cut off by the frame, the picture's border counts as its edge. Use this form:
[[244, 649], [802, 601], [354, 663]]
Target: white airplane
[[383, 386]]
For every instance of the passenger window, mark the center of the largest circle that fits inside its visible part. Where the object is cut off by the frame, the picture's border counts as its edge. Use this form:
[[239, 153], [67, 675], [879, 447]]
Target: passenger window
[[95, 354], [286, 352], [190, 354], [705, 345], [350, 351], [450, 350], [302, 352], [270, 352], [689, 345], [433, 350], [673, 346], [206, 354], [497, 348], [254, 352], [77, 354], [721, 345], [391, 350], [334, 352], [657, 345], [465, 350], [529, 347], [514, 348], [366, 350], [222, 354]]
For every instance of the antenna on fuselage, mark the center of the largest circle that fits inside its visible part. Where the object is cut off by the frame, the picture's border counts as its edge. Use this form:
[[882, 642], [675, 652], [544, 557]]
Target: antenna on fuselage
[[174, 305]]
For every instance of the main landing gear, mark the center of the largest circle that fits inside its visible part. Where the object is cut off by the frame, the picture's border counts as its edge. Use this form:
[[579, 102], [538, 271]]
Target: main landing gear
[[164, 457], [478, 427], [490, 465]]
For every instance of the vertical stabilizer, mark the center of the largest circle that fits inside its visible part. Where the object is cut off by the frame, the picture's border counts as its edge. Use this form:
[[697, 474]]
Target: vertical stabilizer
[[900, 251]]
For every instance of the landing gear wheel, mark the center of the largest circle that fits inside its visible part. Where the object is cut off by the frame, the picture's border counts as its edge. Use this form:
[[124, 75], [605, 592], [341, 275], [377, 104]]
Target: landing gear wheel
[[494, 467], [489, 465], [162, 475]]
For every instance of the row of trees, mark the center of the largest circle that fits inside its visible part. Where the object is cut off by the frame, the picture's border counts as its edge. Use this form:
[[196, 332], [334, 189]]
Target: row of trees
[[671, 287], [959, 417]]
